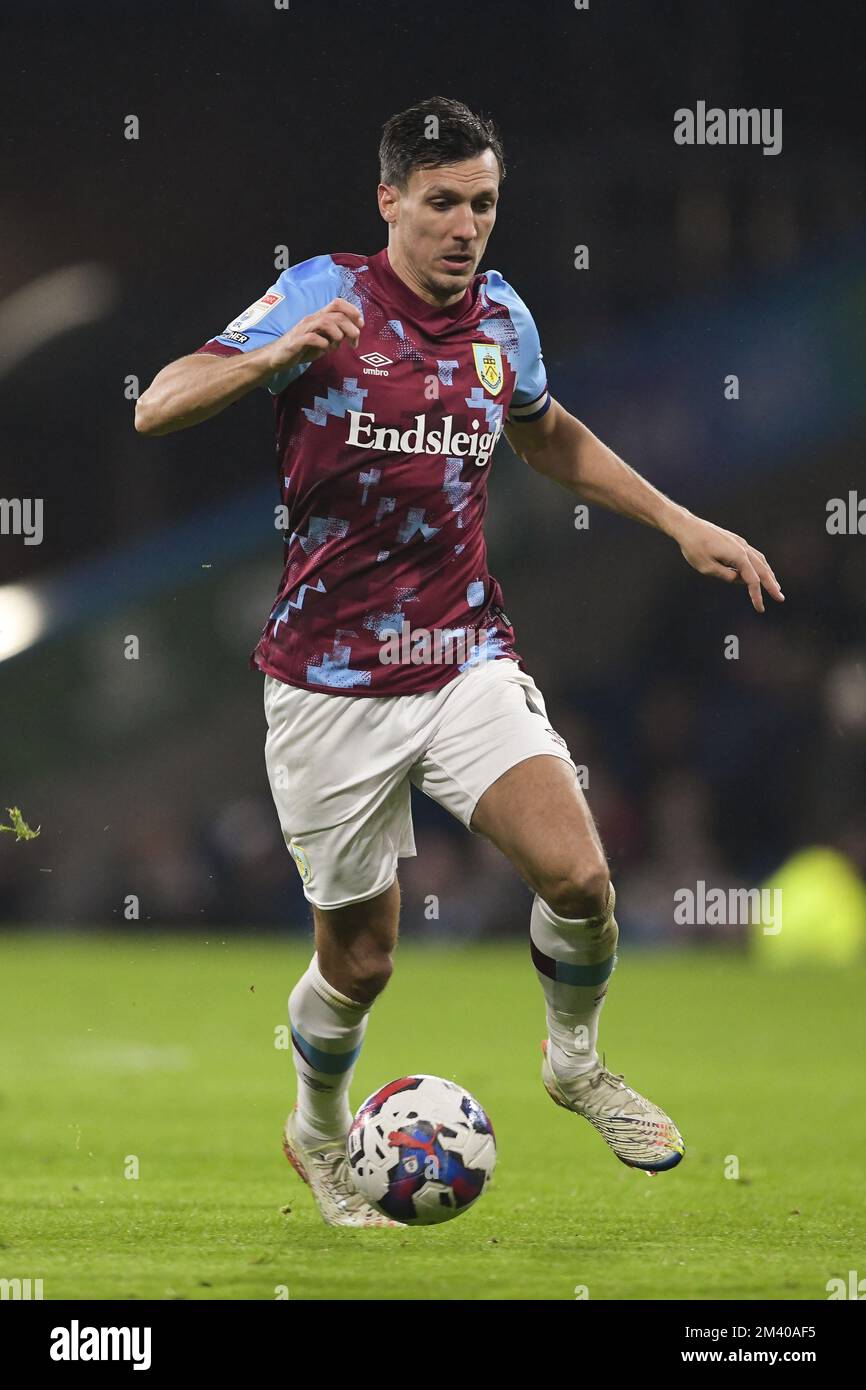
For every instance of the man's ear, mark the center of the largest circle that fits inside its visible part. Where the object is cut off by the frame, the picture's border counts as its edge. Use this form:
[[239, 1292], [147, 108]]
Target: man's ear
[[389, 198]]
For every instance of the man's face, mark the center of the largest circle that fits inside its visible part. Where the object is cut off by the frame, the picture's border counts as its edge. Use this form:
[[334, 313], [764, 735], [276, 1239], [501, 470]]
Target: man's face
[[441, 222]]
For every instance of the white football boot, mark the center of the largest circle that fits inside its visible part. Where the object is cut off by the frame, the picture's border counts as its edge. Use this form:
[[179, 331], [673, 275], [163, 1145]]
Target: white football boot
[[640, 1133], [325, 1170]]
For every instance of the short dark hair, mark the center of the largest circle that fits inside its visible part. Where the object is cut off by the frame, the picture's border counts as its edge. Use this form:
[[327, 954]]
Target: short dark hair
[[407, 143]]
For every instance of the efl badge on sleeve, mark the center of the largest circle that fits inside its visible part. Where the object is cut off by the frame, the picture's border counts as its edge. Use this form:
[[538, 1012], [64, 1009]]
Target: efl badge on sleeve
[[256, 312], [488, 365]]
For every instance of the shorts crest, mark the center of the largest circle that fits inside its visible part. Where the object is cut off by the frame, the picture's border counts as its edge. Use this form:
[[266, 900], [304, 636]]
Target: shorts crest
[[302, 862]]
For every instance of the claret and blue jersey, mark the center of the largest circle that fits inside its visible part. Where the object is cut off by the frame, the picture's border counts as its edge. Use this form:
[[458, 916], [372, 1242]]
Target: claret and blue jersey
[[384, 450]]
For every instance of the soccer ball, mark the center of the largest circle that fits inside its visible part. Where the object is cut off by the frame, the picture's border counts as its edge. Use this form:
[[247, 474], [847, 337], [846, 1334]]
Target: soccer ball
[[421, 1150]]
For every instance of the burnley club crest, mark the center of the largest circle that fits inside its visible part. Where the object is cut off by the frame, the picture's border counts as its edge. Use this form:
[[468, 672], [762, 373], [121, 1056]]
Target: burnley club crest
[[488, 365]]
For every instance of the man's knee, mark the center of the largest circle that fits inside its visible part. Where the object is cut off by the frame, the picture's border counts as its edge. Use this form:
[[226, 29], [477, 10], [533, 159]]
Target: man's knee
[[368, 972], [355, 945], [580, 890], [360, 967]]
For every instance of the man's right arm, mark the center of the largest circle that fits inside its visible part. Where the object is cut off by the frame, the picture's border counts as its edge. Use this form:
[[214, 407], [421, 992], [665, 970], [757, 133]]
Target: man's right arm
[[195, 387]]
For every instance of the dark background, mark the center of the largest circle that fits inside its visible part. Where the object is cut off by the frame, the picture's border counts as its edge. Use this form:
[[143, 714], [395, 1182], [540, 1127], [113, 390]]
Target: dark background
[[259, 128]]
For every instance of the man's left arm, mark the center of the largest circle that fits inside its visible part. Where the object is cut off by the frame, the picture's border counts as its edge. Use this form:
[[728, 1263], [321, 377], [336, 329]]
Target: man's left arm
[[562, 448]]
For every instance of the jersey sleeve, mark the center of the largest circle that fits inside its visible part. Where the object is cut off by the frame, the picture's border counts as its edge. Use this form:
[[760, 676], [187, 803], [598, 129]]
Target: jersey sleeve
[[531, 397], [299, 291]]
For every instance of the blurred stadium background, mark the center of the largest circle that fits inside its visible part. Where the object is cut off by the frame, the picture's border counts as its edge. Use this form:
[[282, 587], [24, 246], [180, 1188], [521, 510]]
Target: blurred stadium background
[[258, 129]]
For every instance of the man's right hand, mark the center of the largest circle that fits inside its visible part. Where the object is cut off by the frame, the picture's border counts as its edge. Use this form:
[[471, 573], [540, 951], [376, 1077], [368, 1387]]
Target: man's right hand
[[200, 385], [315, 335]]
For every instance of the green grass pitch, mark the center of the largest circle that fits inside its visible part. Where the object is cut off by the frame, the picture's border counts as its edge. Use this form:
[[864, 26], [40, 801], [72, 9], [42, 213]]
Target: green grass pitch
[[163, 1049]]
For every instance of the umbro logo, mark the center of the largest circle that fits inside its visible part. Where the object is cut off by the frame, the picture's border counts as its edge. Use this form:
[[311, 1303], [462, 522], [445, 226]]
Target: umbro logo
[[376, 362]]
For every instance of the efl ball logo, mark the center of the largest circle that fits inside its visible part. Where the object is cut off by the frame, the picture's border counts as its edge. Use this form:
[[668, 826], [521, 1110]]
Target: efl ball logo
[[256, 312]]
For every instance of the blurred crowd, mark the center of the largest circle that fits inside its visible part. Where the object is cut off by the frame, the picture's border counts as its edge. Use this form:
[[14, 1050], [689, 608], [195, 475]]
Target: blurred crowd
[[698, 766]]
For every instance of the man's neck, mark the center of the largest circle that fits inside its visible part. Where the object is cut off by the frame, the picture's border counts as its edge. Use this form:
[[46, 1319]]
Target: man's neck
[[403, 270]]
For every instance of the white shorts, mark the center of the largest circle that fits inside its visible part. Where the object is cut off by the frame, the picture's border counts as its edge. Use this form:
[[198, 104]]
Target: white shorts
[[340, 768]]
